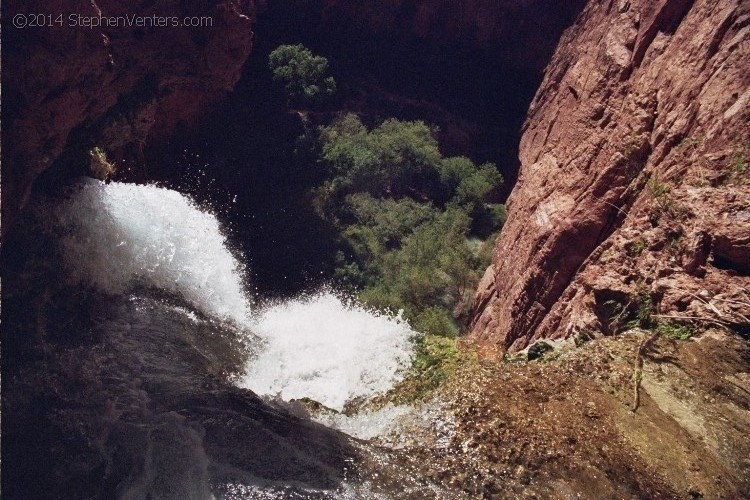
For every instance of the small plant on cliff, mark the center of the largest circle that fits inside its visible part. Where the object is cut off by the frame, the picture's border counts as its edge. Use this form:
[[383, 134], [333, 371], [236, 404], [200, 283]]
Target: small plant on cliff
[[740, 162], [635, 248], [675, 331], [303, 74], [538, 350], [663, 204], [99, 165], [583, 337]]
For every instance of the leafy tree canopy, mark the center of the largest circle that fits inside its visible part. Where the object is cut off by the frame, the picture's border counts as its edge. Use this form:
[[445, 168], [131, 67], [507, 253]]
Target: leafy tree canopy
[[303, 74], [406, 216], [401, 159]]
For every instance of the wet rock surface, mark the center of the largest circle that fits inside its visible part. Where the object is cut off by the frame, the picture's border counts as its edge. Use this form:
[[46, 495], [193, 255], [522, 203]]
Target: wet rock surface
[[132, 397], [563, 428]]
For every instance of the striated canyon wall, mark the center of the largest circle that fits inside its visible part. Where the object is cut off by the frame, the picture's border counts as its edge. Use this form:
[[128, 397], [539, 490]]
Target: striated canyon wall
[[68, 88], [634, 186]]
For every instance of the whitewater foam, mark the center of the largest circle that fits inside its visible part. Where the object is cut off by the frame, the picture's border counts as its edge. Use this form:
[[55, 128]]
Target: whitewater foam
[[328, 350], [117, 236], [369, 424]]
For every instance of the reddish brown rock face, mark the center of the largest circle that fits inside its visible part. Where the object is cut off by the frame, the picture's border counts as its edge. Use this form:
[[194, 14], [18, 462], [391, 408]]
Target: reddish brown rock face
[[69, 86], [634, 179]]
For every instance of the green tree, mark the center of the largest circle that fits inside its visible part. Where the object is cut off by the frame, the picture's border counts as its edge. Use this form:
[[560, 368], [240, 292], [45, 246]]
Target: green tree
[[411, 222], [395, 159], [303, 74], [400, 159]]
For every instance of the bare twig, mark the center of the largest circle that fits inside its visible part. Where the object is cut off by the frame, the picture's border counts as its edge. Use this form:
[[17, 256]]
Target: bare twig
[[692, 318], [617, 318], [638, 369]]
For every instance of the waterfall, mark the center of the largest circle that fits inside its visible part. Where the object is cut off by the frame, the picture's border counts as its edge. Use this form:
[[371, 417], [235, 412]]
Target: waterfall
[[328, 349], [120, 237]]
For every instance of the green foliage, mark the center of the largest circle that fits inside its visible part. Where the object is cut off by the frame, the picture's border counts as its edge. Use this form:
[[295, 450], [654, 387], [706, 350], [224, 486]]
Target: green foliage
[[663, 203], [615, 315], [303, 75], [389, 220], [538, 350], [401, 159], [637, 312], [640, 312], [636, 248], [583, 337], [432, 268], [416, 229], [405, 216], [658, 189], [675, 331], [435, 321], [435, 359], [643, 312], [740, 162], [396, 159], [466, 184]]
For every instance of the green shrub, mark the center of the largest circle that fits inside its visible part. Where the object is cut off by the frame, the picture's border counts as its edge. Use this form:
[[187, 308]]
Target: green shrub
[[303, 75], [644, 311], [635, 248], [435, 321], [538, 350], [675, 331], [416, 230], [396, 159], [582, 338], [400, 159], [740, 162], [435, 359], [663, 205]]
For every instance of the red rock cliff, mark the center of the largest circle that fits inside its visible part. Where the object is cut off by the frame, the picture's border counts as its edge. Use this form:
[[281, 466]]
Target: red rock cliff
[[67, 85], [634, 180]]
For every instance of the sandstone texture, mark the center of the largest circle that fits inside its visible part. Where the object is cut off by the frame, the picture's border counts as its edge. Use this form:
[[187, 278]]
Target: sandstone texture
[[563, 428], [69, 88], [633, 195]]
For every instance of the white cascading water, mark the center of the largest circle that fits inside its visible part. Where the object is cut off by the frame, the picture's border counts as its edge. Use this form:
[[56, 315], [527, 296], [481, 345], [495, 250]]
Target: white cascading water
[[118, 236], [328, 350]]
